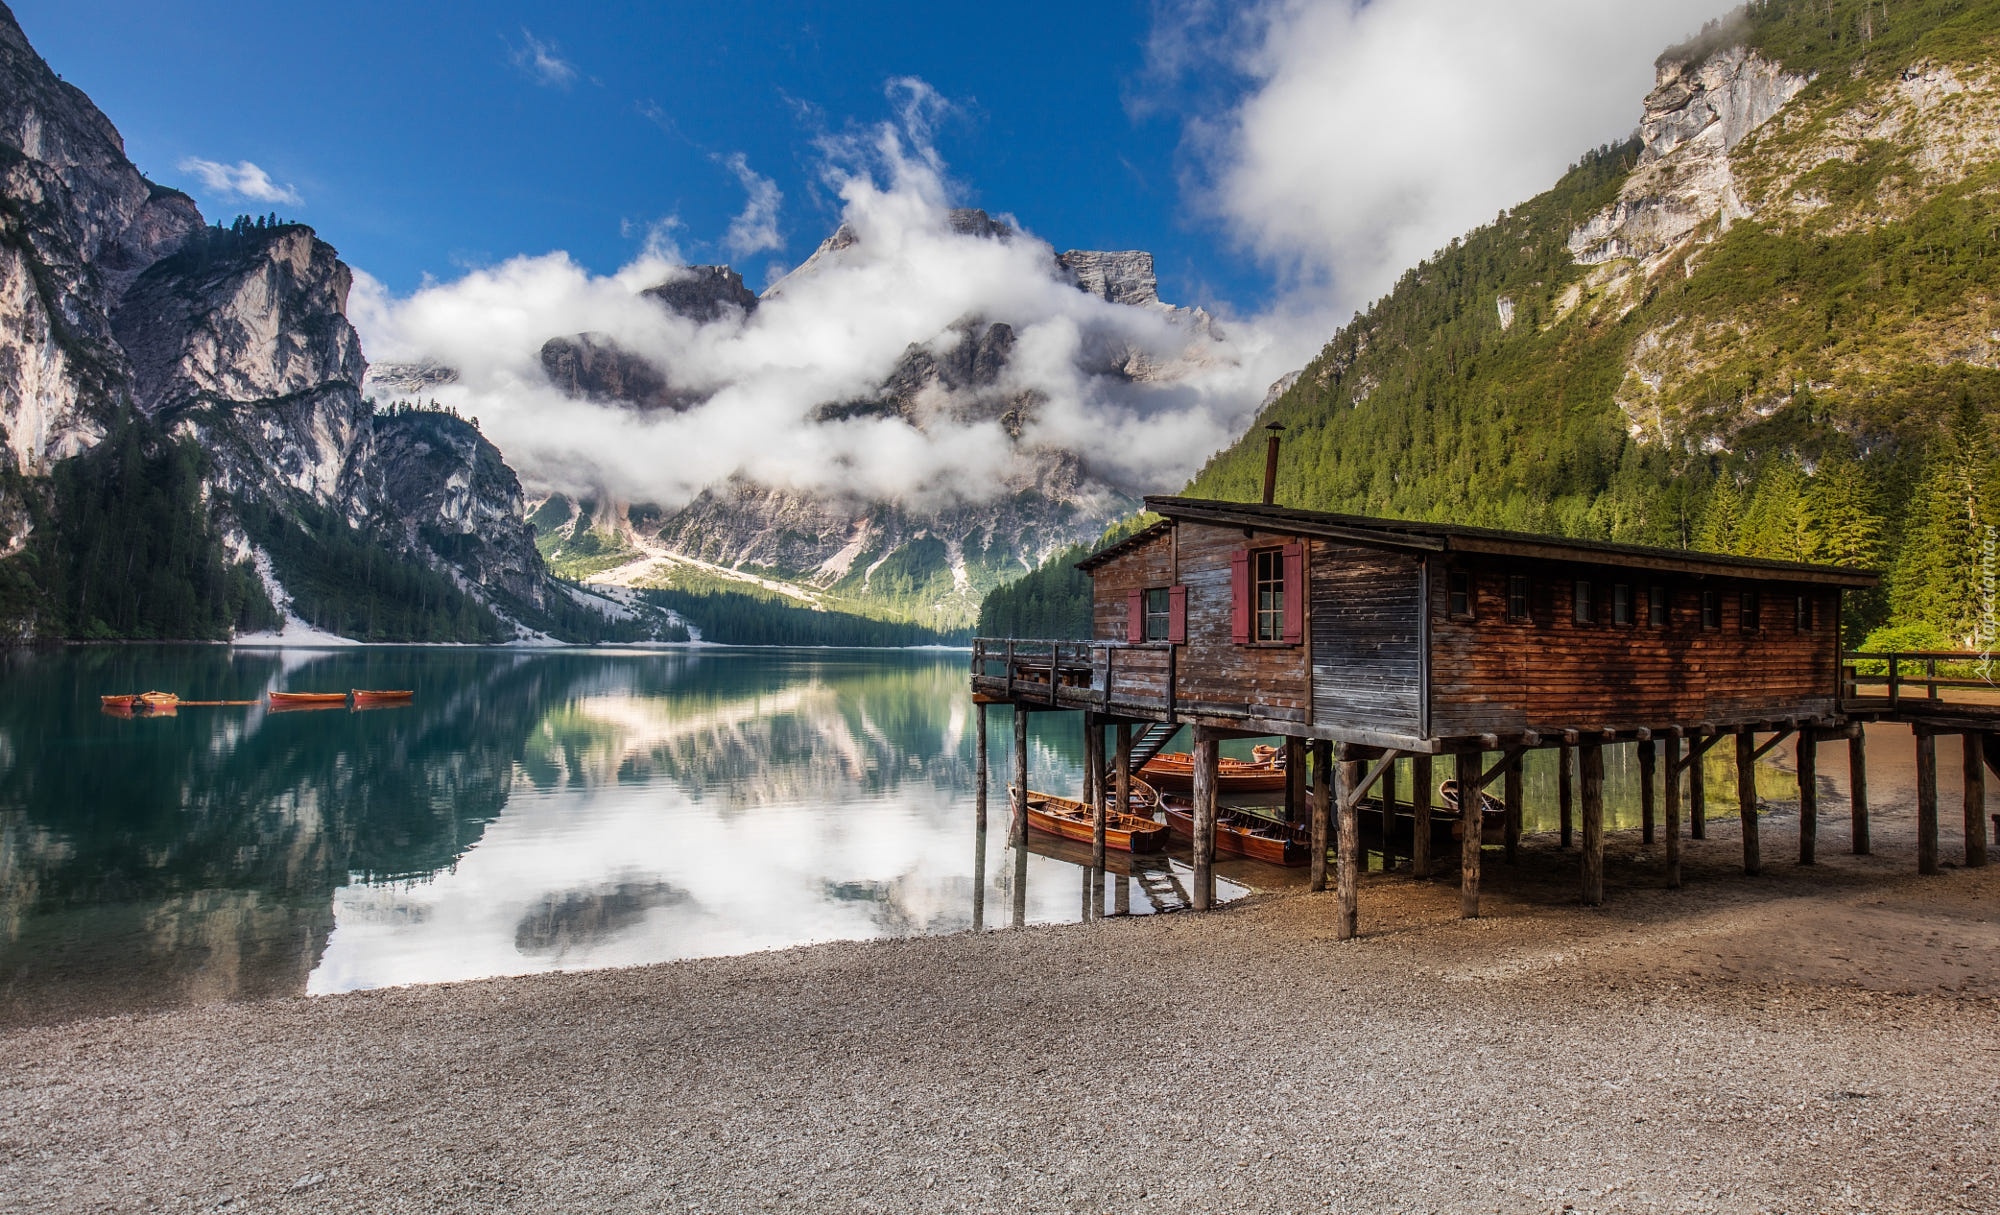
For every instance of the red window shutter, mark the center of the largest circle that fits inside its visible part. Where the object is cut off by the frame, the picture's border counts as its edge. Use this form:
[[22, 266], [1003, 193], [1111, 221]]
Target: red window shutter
[[1177, 614], [1295, 594], [1135, 616], [1239, 597]]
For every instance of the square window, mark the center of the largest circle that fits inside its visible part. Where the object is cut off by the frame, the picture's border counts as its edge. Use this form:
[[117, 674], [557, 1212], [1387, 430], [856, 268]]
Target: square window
[[1458, 587], [1658, 610], [1711, 609], [1803, 620], [1583, 604], [1518, 607], [1268, 572], [1753, 611], [1157, 608], [1621, 603]]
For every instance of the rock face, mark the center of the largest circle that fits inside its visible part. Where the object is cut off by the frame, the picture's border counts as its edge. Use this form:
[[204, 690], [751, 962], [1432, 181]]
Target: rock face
[[1694, 118], [114, 291], [705, 293], [591, 365]]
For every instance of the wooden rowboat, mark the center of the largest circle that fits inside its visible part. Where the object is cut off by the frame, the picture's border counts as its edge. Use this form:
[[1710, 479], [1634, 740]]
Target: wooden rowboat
[[1175, 770], [141, 701], [1492, 815], [301, 700], [1272, 843], [365, 697], [1071, 819]]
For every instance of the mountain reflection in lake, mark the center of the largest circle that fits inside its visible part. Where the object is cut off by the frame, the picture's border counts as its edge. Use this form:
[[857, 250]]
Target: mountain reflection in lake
[[530, 811]]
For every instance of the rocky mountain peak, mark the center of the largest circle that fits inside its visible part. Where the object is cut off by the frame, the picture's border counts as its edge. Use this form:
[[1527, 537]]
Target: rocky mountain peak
[[704, 293], [1121, 277]]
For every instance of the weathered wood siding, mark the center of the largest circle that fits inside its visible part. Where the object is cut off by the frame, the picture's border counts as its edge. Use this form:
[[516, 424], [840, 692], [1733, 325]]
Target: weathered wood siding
[[1367, 639], [1493, 675], [1111, 584], [1217, 676]]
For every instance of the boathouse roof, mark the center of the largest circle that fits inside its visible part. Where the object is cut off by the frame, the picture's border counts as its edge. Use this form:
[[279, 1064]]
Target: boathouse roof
[[1417, 536]]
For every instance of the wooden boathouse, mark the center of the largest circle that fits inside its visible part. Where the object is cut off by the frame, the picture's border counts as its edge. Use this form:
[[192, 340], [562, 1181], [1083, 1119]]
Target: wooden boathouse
[[1365, 641]]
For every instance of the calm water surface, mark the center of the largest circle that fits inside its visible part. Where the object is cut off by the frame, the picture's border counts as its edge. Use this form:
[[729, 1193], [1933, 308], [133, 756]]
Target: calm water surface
[[529, 811]]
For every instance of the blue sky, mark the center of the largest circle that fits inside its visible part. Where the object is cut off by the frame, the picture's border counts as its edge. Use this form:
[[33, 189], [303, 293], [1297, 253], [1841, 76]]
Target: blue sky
[[424, 137]]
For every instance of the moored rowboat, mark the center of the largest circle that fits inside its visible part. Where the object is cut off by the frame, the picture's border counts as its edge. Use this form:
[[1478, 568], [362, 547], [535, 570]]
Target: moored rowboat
[[141, 701], [1071, 819], [1175, 770], [1272, 843], [297, 700], [364, 696]]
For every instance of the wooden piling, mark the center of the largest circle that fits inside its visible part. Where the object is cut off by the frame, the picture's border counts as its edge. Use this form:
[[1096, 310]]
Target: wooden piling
[[1808, 766], [979, 770], [1206, 755], [1019, 832], [1673, 809], [1927, 803], [1975, 801], [1698, 790], [1746, 799], [1470, 824], [1295, 778], [1510, 786], [1347, 870], [1020, 886], [1648, 765], [1857, 784], [1592, 764], [1388, 794], [1420, 809], [1093, 765], [1565, 783], [1322, 809], [1122, 779]]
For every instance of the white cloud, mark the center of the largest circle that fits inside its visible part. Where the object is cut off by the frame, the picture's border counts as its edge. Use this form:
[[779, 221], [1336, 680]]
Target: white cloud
[[240, 182], [542, 62], [755, 228], [1373, 133], [828, 336]]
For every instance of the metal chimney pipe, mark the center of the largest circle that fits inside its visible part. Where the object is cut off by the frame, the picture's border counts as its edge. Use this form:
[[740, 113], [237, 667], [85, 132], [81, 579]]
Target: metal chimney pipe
[[1271, 463]]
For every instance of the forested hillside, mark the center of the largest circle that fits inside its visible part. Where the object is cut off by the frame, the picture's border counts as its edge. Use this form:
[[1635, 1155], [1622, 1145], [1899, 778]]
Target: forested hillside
[[1764, 325]]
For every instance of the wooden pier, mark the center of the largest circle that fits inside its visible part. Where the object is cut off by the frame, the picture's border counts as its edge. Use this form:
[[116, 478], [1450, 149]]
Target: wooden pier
[[1375, 644]]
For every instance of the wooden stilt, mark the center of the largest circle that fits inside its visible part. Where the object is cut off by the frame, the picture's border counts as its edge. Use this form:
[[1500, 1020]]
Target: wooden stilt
[[1975, 802], [1019, 834], [1469, 821], [1927, 803], [1420, 809], [1565, 786], [1093, 762], [1510, 785], [1591, 763], [1020, 885], [1648, 765], [979, 771], [1808, 766], [1206, 755], [1698, 792], [1746, 799], [1122, 777], [1089, 879], [1388, 794], [979, 877], [1322, 809], [1295, 778], [1347, 872], [1857, 785], [1673, 823]]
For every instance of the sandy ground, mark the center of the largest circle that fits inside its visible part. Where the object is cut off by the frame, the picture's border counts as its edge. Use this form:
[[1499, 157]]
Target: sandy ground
[[1810, 1040]]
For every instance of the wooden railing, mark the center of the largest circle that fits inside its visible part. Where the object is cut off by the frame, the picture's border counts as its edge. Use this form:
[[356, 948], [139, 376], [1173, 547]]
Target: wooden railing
[[1929, 671], [1075, 674]]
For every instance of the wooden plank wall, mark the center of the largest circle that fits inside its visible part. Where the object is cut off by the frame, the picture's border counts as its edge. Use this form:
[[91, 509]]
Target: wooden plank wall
[[1367, 638], [1216, 675], [1149, 564], [1491, 675]]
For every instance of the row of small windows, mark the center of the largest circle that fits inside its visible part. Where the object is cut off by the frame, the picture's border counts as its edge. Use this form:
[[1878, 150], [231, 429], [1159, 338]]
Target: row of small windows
[[1627, 605]]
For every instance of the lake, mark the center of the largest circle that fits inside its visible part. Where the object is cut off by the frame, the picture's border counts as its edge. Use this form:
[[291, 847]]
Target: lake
[[528, 811]]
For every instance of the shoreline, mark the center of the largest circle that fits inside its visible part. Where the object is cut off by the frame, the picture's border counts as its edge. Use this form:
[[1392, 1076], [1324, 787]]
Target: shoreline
[[1809, 1039]]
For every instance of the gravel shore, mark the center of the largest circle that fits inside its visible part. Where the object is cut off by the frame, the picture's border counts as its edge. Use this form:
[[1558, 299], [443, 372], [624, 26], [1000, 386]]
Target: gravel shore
[[1809, 1040]]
